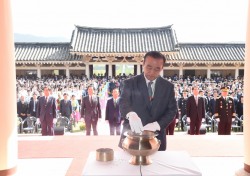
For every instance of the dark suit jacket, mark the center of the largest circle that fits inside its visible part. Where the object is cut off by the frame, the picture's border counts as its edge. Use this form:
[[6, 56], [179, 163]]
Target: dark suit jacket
[[113, 114], [193, 110], [31, 108], [22, 108], [90, 111], [65, 109], [212, 105], [224, 109], [46, 109], [162, 108]]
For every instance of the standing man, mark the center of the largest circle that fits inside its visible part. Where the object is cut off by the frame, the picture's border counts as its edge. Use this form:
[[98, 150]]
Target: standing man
[[91, 110], [66, 109], [65, 106], [147, 101], [224, 112], [46, 112], [195, 111], [33, 105], [182, 105], [113, 115]]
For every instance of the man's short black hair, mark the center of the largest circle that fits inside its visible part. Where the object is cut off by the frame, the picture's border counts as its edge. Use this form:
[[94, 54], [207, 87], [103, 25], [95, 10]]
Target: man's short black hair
[[156, 55]]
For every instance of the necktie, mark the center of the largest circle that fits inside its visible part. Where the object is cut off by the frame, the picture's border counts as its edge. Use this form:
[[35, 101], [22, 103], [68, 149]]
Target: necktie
[[34, 109], [196, 100], [90, 99], [150, 91], [114, 102]]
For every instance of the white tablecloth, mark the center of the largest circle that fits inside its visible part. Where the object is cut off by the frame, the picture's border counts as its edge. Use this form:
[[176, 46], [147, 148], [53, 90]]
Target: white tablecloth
[[165, 163]]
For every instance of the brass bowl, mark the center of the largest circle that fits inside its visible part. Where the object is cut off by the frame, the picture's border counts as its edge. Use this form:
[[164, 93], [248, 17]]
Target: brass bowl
[[140, 146]]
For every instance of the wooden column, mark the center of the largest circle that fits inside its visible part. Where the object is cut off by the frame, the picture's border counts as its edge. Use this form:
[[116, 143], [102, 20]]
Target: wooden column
[[246, 123], [247, 100], [8, 109]]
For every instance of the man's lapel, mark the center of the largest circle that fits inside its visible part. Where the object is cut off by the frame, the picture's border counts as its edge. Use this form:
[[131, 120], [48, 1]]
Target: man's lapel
[[143, 88]]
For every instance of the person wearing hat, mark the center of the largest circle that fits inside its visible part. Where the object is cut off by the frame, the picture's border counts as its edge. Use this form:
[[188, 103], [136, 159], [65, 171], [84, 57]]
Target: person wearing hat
[[224, 112]]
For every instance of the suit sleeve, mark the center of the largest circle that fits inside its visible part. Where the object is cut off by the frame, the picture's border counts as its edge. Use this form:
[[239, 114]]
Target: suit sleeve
[[107, 111], [188, 107], [38, 109], [125, 99], [83, 107], [170, 111], [216, 111], [99, 108]]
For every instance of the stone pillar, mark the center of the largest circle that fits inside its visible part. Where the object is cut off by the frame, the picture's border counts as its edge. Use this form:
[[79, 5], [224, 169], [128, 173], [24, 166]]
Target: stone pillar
[[38, 71], [110, 70], [161, 73], [138, 68], [67, 71], [181, 71], [208, 73], [87, 69], [246, 170], [236, 72], [8, 109]]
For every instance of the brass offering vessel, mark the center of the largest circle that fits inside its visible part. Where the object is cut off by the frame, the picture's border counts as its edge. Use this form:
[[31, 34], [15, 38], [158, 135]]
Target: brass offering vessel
[[140, 146]]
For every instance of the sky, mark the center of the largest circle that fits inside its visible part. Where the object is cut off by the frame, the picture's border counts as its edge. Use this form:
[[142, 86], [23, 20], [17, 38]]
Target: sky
[[195, 21]]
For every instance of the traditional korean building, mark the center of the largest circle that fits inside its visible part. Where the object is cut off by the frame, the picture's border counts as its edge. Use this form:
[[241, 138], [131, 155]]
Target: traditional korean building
[[92, 49]]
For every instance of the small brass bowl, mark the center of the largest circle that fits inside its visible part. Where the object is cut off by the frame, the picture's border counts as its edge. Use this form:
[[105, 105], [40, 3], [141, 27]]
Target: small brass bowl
[[104, 154]]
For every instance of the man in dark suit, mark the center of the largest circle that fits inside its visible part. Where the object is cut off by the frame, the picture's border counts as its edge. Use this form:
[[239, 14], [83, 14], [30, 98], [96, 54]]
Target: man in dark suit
[[46, 112], [66, 109], [195, 111], [224, 112], [213, 102], [22, 108], [182, 105], [113, 115], [65, 106], [147, 101], [91, 110], [33, 105]]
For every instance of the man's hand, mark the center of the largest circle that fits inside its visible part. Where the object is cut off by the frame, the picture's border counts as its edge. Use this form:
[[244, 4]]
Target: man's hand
[[152, 127], [135, 122], [38, 121], [54, 121]]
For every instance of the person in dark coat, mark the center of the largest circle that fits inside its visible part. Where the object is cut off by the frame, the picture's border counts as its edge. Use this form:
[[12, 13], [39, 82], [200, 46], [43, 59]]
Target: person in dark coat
[[22, 109], [91, 110], [182, 105], [147, 101], [239, 109], [224, 112], [213, 102], [195, 111], [46, 112], [113, 115], [65, 106], [33, 105]]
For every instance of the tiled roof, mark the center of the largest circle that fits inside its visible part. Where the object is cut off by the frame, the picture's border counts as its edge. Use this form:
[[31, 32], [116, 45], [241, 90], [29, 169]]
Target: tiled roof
[[188, 52], [44, 52], [209, 52], [123, 40]]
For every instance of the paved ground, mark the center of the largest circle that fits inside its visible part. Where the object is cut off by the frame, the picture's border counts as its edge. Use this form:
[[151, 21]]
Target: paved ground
[[209, 166]]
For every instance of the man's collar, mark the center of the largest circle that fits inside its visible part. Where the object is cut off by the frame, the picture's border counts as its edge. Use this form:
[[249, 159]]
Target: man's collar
[[147, 81]]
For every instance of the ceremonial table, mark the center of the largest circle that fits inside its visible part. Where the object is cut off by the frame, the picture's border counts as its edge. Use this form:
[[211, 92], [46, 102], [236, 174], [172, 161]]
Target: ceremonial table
[[165, 163]]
